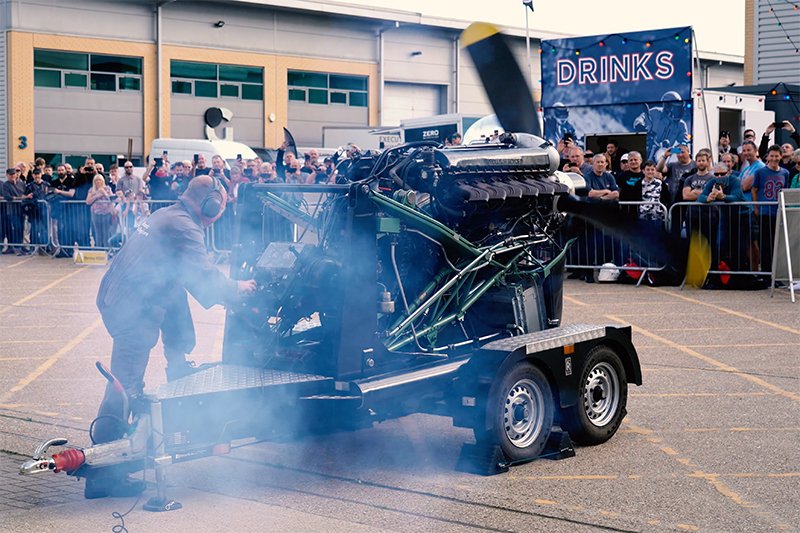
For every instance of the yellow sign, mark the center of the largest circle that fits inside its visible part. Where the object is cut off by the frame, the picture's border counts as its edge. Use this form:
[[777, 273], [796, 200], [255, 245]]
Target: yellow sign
[[90, 257]]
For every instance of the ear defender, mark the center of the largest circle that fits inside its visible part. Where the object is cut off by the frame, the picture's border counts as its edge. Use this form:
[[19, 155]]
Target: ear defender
[[213, 204]]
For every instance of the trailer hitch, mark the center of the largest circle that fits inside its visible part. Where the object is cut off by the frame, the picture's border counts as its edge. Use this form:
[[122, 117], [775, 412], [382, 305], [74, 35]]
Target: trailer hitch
[[64, 461]]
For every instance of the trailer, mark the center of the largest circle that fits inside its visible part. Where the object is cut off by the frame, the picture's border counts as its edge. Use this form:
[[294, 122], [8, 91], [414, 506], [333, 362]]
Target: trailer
[[429, 281]]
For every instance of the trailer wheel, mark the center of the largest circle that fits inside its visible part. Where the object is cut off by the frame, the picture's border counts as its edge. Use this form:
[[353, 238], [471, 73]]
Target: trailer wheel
[[602, 397], [521, 411]]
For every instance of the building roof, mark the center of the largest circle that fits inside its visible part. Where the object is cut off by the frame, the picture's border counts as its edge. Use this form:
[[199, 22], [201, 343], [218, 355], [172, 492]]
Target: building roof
[[400, 16]]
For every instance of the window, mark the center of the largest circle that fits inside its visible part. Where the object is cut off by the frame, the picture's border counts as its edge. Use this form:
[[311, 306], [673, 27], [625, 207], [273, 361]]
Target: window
[[60, 60], [96, 72], [313, 87], [72, 79], [190, 69], [116, 64], [245, 74], [104, 82], [50, 159], [358, 99], [47, 78], [209, 80], [130, 84], [252, 92], [229, 90], [308, 79], [206, 89], [181, 87], [353, 83], [317, 96]]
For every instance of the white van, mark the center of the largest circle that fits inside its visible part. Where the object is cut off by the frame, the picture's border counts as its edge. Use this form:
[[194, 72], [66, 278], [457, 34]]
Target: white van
[[184, 150]]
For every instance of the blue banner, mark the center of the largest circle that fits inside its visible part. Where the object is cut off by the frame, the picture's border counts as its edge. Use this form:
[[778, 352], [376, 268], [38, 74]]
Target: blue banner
[[637, 82], [617, 69]]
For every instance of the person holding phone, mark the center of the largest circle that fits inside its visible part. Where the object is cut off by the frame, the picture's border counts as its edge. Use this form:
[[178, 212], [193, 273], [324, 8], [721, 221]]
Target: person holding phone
[[674, 172], [786, 153]]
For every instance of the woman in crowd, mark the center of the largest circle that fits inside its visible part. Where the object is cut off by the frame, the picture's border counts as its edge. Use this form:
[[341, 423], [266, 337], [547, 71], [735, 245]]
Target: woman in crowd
[[100, 200]]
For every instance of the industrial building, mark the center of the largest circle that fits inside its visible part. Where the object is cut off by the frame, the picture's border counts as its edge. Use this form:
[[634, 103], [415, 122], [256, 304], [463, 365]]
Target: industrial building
[[100, 77]]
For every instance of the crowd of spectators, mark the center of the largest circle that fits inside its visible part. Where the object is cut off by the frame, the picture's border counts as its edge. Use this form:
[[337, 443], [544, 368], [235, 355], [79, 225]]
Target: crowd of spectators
[[92, 207], [749, 177]]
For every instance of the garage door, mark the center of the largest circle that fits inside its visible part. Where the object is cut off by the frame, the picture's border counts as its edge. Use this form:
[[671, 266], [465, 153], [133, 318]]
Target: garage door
[[411, 100]]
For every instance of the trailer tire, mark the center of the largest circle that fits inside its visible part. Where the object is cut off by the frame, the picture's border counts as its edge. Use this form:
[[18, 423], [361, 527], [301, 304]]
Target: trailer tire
[[602, 397], [520, 411]]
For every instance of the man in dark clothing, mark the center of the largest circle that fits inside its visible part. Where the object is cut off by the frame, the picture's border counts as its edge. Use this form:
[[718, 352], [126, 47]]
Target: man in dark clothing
[[78, 214], [180, 179], [145, 291], [725, 147], [12, 191], [614, 153], [35, 208], [600, 183], [786, 154], [630, 181], [674, 172]]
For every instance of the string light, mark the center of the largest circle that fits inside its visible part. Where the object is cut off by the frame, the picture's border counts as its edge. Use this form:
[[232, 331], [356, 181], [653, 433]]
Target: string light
[[780, 24], [601, 42]]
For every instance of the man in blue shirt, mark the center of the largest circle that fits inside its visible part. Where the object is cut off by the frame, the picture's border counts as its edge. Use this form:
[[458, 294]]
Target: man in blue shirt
[[750, 164], [767, 185], [600, 183]]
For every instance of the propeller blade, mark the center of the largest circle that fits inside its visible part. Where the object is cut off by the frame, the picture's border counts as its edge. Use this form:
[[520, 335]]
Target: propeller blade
[[505, 85], [699, 261], [291, 146], [655, 242]]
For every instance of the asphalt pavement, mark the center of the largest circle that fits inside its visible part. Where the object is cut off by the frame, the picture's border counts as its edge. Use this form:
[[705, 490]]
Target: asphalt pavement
[[710, 442]]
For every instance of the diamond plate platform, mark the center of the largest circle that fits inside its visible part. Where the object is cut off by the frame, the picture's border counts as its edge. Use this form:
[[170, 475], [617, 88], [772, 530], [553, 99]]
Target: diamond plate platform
[[548, 339], [229, 378]]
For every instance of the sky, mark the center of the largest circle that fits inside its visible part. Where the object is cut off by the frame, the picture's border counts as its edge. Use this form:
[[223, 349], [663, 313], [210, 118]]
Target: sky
[[718, 24]]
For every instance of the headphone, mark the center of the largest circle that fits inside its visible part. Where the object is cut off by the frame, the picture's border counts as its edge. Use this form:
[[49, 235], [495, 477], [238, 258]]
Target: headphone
[[213, 204]]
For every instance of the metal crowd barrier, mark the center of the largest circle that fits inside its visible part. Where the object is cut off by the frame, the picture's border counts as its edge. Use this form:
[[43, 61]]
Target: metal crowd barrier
[[595, 247], [741, 241], [25, 225]]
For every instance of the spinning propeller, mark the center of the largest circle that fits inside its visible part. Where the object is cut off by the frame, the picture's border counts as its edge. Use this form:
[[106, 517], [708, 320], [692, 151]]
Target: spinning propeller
[[510, 97]]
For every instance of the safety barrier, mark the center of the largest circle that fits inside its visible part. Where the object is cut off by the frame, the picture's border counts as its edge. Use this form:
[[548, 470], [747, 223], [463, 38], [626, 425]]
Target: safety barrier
[[25, 225], [741, 240], [741, 235], [595, 247]]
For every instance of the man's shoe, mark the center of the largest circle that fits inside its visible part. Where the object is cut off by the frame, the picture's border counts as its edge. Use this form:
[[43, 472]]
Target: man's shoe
[[178, 370]]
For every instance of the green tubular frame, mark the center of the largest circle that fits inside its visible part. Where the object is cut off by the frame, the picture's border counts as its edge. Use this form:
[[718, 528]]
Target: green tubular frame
[[450, 292]]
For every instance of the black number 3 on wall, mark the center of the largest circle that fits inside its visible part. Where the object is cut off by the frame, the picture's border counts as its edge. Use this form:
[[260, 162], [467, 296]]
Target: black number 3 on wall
[[23, 142]]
